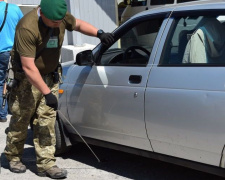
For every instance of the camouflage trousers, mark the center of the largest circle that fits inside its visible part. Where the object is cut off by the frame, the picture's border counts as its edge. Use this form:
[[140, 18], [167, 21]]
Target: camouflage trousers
[[27, 104]]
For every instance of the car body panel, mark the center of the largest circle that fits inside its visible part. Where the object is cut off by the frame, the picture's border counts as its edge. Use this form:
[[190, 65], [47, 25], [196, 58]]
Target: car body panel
[[102, 105], [184, 108], [107, 105], [174, 110], [182, 128]]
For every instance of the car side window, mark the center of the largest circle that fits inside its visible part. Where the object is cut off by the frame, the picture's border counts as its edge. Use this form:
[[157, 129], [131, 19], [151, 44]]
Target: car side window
[[161, 2], [195, 40], [134, 47], [138, 3]]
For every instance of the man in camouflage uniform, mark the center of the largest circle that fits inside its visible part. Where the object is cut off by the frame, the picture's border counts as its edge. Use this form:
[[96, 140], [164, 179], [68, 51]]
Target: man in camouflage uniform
[[35, 96]]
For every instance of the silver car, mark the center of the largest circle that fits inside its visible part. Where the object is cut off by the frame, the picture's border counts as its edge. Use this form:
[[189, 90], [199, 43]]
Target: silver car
[[158, 91]]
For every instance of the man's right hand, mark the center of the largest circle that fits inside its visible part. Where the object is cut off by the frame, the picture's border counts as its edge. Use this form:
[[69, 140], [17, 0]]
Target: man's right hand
[[51, 101]]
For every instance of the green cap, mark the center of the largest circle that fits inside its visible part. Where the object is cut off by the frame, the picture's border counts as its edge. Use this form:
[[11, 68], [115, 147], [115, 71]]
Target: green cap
[[54, 9]]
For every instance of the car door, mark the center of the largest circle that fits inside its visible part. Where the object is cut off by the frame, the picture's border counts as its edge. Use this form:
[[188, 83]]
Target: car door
[[106, 101], [185, 94]]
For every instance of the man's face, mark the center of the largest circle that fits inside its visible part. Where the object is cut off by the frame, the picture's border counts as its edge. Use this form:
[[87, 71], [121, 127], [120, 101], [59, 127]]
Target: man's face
[[50, 23]]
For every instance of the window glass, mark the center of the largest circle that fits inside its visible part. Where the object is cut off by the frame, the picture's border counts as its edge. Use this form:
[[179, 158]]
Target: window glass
[[134, 47], [182, 1], [195, 40], [138, 2], [161, 2]]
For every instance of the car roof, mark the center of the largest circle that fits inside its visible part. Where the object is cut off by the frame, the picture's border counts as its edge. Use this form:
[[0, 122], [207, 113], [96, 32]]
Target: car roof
[[193, 5]]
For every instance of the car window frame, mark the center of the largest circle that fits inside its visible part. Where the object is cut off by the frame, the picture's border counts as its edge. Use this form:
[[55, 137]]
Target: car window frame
[[121, 30]]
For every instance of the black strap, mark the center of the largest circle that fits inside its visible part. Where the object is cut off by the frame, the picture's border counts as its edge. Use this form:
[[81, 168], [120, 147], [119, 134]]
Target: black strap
[[44, 42], [6, 8]]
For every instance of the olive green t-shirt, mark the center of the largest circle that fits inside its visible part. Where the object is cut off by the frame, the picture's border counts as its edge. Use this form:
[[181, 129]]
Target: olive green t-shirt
[[32, 35]]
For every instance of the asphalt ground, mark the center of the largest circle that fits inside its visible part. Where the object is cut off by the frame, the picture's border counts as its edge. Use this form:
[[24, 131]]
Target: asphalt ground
[[82, 165]]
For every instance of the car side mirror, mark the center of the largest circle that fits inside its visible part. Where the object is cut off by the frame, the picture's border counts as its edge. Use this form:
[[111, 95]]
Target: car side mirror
[[85, 58]]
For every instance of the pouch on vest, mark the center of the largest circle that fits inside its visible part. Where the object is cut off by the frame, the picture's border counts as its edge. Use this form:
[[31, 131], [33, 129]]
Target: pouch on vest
[[57, 75], [9, 84]]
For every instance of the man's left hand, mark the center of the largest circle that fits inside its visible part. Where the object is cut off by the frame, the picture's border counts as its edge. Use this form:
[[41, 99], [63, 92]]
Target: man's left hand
[[106, 38]]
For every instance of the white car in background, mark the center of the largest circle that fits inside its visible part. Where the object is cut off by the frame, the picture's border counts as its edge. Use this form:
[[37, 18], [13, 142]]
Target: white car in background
[[158, 91], [135, 6]]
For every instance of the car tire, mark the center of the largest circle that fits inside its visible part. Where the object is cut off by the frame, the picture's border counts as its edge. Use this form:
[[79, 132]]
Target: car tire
[[60, 146]]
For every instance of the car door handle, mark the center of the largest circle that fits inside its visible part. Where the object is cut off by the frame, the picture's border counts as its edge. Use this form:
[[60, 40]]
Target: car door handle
[[135, 79]]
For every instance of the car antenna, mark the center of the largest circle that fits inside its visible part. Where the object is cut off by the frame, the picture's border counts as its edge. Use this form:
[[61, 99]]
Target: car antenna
[[62, 115]]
